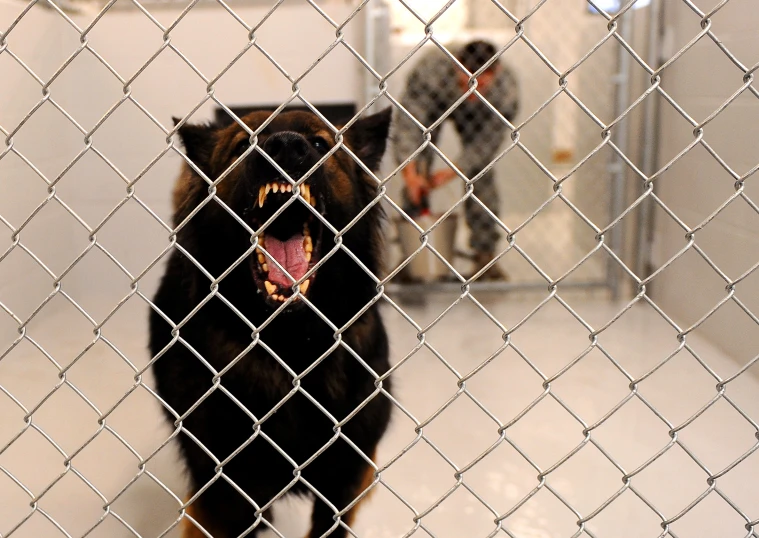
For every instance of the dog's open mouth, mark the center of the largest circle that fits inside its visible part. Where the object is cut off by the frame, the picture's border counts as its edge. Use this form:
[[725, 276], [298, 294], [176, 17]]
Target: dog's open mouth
[[290, 244]]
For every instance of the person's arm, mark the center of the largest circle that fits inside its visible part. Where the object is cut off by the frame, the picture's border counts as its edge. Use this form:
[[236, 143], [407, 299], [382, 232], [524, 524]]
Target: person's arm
[[417, 99], [441, 177]]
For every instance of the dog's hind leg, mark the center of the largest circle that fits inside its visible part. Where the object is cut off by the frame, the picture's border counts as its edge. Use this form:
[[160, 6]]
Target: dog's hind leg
[[364, 491], [341, 490], [197, 517], [197, 513]]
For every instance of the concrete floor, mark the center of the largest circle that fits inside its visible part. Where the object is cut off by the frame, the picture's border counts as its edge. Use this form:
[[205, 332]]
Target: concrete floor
[[465, 337]]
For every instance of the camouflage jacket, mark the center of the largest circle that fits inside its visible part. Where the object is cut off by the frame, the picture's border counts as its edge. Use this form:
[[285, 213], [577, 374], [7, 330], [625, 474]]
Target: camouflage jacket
[[431, 89]]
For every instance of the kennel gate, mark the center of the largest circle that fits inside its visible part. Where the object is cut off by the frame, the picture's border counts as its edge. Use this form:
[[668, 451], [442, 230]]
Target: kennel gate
[[632, 191]]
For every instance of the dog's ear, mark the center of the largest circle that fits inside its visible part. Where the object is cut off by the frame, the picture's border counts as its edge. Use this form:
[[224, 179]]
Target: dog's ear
[[368, 138], [198, 141]]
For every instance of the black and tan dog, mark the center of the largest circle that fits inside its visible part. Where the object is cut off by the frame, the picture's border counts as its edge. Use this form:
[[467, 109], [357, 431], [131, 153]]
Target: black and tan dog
[[250, 426]]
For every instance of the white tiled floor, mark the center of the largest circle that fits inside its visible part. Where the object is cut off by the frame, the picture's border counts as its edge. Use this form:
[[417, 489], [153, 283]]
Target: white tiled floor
[[465, 337]]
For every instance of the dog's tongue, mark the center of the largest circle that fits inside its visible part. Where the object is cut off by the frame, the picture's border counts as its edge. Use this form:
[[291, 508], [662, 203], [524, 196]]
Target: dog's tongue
[[290, 255]]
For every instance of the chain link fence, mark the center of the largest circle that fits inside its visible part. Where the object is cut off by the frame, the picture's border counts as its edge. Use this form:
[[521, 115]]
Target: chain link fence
[[580, 176]]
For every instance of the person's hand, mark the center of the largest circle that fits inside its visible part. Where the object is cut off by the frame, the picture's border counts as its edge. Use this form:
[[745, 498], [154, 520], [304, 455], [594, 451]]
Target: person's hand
[[441, 177], [416, 185]]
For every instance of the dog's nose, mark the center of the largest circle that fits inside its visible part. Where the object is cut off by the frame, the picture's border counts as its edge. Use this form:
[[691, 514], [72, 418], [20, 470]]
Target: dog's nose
[[286, 147]]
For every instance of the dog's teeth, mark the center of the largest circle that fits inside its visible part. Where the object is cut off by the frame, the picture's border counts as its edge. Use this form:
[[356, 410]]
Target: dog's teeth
[[275, 187], [265, 267], [303, 192], [304, 286], [308, 256], [270, 288], [275, 297], [261, 257], [268, 188], [308, 245], [313, 201], [289, 188], [261, 196]]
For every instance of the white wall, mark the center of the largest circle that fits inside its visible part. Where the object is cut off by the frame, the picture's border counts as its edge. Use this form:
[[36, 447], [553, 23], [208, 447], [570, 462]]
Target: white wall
[[47, 140], [701, 81], [210, 38]]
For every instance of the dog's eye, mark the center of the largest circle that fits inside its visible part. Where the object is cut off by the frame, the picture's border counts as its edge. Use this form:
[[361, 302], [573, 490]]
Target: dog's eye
[[241, 146], [319, 144]]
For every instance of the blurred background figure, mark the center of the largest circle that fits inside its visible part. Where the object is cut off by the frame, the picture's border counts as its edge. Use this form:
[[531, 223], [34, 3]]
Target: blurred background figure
[[434, 85]]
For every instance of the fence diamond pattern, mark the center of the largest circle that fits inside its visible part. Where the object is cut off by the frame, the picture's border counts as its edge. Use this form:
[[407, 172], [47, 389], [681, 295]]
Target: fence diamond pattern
[[646, 199]]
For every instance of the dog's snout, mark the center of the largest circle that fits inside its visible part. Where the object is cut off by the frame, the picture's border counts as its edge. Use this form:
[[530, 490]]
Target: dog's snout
[[286, 147]]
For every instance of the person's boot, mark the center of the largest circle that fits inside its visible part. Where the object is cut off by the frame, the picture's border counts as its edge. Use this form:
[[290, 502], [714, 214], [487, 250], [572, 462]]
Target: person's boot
[[481, 259]]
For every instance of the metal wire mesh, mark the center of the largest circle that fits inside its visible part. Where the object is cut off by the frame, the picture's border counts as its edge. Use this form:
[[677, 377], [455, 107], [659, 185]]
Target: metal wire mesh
[[592, 239]]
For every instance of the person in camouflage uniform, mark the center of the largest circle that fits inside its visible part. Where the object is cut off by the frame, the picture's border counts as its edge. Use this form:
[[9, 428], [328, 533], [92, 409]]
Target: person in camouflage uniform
[[433, 86]]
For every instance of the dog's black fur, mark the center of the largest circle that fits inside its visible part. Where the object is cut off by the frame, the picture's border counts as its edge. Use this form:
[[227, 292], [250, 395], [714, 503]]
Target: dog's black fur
[[215, 337]]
